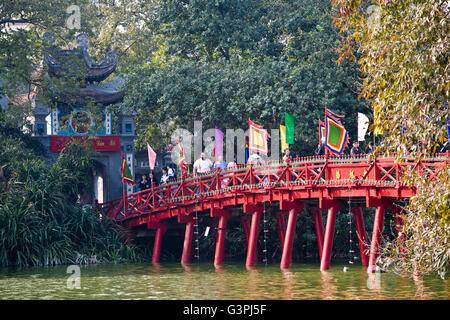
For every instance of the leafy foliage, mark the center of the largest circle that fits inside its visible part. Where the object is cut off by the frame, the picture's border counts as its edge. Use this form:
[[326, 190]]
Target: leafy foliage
[[40, 221], [404, 53], [225, 63]]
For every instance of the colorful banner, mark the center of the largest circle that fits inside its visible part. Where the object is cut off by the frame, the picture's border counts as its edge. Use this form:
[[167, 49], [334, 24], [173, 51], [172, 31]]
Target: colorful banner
[[378, 128], [99, 143], [284, 145], [151, 157], [218, 147], [182, 160], [290, 125], [127, 177], [322, 130], [247, 153], [257, 138], [336, 137], [363, 125], [332, 114]]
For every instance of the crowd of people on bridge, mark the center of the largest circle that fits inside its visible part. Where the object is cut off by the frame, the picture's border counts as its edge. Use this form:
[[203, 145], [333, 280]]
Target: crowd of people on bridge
[[204, 164]]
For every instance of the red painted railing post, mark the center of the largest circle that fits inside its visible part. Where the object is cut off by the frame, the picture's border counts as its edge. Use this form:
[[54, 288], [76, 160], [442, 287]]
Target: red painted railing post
[[288, 172], [187, 245], [286, 257], [219, 257], [376, 236], [329, 235], [318, 222], [252, 256], [362, 236]]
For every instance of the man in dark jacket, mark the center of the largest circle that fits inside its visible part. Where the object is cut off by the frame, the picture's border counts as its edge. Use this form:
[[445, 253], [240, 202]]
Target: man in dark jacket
[[355, 150]]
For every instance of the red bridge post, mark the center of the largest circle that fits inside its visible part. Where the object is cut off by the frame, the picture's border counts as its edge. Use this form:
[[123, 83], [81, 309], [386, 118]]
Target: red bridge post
[[294, 209], [286, 257], [334, 207], [245, 224], [362, 236], [188, 236], [318, 222], [376, 235], [281, 224], [160, 231], [219, 256], [252, 255]]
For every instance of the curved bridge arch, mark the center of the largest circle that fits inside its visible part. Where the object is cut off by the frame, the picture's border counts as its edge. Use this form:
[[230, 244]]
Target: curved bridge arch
[[314, 183]]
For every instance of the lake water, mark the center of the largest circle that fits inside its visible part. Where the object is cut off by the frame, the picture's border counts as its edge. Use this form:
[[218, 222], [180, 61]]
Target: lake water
[[201, 281]]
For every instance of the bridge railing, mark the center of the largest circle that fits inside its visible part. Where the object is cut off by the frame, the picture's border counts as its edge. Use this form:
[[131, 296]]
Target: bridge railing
[[317, 171]]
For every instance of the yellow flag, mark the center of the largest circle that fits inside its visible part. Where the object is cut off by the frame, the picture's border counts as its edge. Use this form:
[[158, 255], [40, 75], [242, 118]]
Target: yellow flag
[[378, 129], [284, 145]]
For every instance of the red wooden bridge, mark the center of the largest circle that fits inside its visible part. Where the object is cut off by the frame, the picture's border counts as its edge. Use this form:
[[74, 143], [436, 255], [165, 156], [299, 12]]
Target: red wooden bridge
[[311, 183]]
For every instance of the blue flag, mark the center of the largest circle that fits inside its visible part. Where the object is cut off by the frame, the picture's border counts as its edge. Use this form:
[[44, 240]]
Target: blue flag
[[448, 124]]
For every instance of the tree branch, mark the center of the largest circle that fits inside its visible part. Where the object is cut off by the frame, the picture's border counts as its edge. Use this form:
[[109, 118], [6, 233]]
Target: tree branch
[[22, 20]]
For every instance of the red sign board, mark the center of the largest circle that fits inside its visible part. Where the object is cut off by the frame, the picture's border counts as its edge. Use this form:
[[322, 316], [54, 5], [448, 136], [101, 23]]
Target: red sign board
[[99, 143]]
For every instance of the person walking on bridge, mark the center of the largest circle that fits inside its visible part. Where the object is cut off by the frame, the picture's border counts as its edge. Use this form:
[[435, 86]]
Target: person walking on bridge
[[355, 150], [144, 184], [202, 164]]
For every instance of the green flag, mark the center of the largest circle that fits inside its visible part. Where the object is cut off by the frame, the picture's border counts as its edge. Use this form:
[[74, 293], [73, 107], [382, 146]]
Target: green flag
[[290, 124]]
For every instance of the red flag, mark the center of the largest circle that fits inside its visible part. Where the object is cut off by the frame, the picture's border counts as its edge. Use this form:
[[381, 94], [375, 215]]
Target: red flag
[[181, 161], [332, 114]]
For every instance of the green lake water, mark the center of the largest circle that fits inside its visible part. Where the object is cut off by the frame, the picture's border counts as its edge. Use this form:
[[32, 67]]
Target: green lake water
[[201, 281]]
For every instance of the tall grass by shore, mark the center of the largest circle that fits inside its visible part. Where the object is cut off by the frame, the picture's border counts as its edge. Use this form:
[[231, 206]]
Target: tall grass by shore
[[41, 221]]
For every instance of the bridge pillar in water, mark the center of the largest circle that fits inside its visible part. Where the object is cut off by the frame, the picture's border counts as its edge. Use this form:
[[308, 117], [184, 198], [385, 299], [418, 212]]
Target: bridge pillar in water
[[188, 236], [376, 235], [223, 215], [245, 224], [281, 224], [252, 255], [362, 236], [333, 208], [161, 229], [294, 209], [318, 222]]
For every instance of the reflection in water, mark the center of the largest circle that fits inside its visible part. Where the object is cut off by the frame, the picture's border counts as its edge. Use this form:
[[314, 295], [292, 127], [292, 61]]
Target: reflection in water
[[158, 267], [187, 268], [328, 287], [374, 285], [220, 269], [288, 281], [252, 284], [202, 281], [422, 291]]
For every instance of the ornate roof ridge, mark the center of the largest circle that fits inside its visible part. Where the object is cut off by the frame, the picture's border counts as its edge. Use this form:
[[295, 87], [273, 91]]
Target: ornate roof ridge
[[96, 71]]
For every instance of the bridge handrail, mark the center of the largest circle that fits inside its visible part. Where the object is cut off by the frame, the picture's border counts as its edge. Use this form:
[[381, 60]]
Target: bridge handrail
[[312, 170]]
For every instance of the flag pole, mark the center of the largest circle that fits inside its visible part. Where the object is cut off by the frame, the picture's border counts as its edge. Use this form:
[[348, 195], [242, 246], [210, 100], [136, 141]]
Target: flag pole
[[125, 199], [324, 147]]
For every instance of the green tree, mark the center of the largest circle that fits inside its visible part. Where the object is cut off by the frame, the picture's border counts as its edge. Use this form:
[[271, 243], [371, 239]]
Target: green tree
[[403, 47], [224, 63]]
